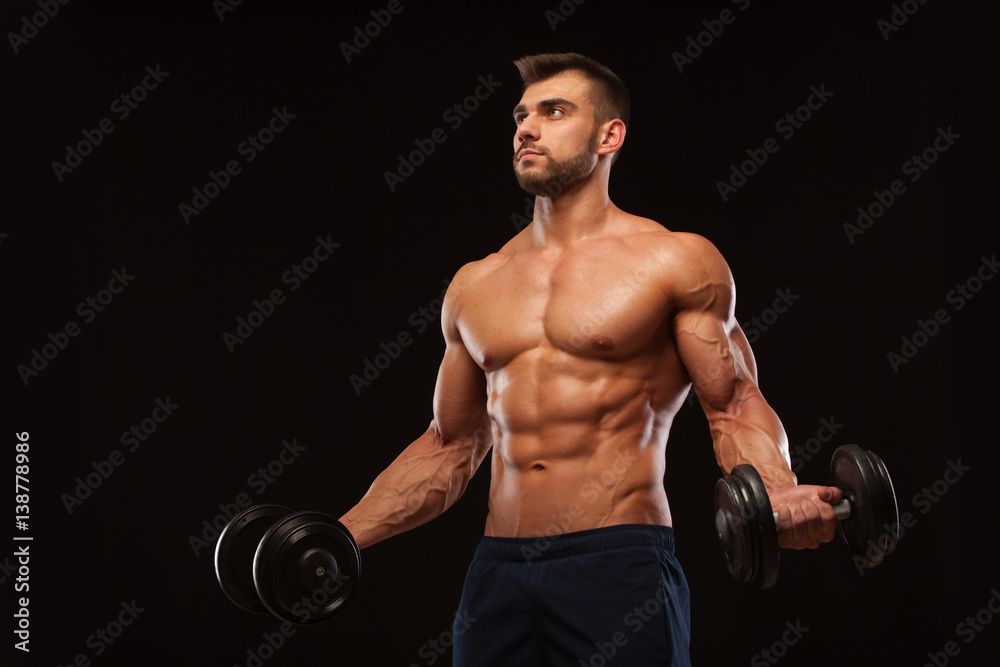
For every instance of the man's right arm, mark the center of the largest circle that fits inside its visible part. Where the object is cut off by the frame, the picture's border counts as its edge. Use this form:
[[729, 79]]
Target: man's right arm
[[432, 472], [745, 429]]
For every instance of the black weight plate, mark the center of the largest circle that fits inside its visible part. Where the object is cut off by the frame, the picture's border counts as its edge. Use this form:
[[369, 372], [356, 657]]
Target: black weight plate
[[234, 554], [850, 471], [890, 512], [298, 594], [871, 531], [761, 521], [737, 550]]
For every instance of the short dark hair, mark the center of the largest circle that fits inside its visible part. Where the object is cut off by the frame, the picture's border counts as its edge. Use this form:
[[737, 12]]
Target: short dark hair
[[608, 93]]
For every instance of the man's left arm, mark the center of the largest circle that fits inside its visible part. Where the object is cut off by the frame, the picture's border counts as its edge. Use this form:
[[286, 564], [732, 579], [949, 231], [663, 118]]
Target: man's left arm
[[721, 366]]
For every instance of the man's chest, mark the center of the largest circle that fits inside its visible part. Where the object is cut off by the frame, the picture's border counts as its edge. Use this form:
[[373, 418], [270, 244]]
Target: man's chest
[[590, 305]]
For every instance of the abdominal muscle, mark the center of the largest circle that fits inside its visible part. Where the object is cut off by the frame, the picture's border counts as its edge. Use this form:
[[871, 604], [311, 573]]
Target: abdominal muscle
[[578, 443]]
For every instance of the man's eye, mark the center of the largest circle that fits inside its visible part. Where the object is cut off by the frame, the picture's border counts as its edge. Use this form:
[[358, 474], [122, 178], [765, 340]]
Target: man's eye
[[518, 120], [556, 111]]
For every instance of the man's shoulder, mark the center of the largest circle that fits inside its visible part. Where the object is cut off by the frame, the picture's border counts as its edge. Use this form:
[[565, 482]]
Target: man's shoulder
[[694, 273], [673, 249], [688, 267], [472, 271], [470, 275]]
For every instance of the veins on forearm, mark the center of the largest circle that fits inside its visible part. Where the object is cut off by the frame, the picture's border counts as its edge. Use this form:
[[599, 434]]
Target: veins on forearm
[[748, 431], [416, 488]]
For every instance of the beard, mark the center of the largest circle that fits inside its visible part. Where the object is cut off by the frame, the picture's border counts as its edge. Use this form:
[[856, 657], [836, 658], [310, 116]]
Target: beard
[[558, 176]]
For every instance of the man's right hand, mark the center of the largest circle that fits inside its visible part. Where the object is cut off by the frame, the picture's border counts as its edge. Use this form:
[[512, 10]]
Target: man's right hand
[[806, 517]]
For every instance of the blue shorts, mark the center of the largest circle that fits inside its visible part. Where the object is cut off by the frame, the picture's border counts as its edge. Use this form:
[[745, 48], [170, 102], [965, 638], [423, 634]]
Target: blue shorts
[[608, 596]]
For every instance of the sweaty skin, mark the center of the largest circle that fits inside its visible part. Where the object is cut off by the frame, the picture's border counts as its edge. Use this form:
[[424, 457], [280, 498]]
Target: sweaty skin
[[570, 351]]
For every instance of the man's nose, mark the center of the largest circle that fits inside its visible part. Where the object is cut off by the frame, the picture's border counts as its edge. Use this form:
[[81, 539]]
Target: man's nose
[[528, 129]]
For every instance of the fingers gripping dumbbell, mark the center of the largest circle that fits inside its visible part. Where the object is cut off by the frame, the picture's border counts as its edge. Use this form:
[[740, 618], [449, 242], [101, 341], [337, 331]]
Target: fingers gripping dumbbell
[[302, 567], [747, 528]]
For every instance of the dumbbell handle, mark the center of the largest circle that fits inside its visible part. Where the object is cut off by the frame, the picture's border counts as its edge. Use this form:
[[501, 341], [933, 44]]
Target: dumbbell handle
[[841, 509]]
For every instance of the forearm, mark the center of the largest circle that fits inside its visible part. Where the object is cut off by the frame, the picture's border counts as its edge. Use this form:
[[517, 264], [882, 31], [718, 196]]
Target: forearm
[[424, 480], [746, 430]]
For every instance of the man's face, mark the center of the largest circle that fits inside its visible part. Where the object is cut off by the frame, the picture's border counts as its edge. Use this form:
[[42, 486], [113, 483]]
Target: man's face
[[554, 144]]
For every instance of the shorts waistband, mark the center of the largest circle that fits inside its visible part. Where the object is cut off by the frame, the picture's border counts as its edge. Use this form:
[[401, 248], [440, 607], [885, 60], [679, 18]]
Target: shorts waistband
[[548, 547]]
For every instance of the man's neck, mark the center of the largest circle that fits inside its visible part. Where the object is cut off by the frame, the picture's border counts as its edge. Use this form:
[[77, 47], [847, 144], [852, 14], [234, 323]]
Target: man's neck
[[575, 214]]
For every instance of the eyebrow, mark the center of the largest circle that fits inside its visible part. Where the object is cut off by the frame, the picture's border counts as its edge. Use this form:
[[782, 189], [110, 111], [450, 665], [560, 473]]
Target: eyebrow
[[551, 102]]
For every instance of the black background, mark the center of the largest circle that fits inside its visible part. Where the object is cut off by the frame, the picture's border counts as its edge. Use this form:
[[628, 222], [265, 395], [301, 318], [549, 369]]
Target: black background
[[323, 176]]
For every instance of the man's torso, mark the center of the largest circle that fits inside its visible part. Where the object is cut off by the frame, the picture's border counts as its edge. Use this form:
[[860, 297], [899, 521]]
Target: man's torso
[[583, 376]]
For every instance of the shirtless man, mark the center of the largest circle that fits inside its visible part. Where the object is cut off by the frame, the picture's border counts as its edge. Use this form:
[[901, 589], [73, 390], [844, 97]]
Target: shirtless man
[[569, 352]]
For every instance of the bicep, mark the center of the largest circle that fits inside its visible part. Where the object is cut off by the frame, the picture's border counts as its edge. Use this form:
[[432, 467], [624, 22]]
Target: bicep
[[460, 392], [716, 356], [712, 346]]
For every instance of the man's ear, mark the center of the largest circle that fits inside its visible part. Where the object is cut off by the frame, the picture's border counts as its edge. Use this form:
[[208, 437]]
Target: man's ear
[[610, 137]]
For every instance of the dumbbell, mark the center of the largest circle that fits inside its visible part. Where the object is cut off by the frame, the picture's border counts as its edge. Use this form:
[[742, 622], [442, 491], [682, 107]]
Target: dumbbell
[[302, 567], [747, 528]]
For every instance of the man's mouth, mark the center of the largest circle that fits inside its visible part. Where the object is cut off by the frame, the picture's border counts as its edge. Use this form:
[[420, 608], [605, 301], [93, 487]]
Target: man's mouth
[[525, 154]]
